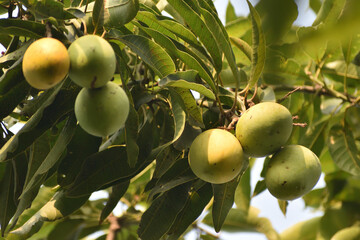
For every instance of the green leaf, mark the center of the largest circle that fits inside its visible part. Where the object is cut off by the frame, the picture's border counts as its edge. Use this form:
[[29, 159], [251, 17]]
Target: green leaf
[[47, 8], [117, 192], [239, 221], [283, 71], [19, 27], [304, 230], [131, 134], [7, 200], [100, 169], [39, 199], [15, 55], [243, 46], [329, 12], [283, 206], [230, 13], [13, 89], [350, 48], [191, 106], [190, 132], [110, 166], [20, 165], [258, 47], [99, 15], [352, 120], [170, 27], [37, 153], [186, 80], [222, 38], [343, 149], [259, 188], [224, 195], [165, 160], [314, 47], [239, 27], [80, 147], [69, 230], [277, 17], [152, 53], [58, 207], [178, 174], [315, 5], [335, 219], [55, 153], [111, 13], [197, 200], [161, 214], [243, 192], [179, 117], [223, 201], [53, 109], [314, 133], [174, 52], [337, 70], [200, 28]]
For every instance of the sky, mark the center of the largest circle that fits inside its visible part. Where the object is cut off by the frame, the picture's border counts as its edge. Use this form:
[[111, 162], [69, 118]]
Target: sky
[[267, 204]]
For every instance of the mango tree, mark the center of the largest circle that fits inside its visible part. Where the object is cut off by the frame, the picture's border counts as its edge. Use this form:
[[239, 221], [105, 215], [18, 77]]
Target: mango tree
[[123, 116]]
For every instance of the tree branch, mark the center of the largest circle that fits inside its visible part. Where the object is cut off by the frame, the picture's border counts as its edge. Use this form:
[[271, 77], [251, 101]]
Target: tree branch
[[315, 90]]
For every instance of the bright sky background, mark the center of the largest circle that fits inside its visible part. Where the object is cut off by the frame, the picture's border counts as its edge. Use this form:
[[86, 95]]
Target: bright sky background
[[265, 202]]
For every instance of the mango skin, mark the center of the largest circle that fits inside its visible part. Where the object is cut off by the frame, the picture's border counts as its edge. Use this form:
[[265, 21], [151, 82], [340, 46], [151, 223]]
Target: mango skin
[[102, 111], [264, 128], [292, 172], [216, 156], [92, 61], [45, 63]]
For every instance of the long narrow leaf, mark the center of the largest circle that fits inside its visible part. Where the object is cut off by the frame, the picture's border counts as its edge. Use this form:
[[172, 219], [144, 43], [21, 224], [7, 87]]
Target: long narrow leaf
[[170, 27], [197, 200], [189, 60], [58, 207], [131, 134], [223, 202], [201, 29], [55, 152], [19, 27], [186, 80], [343, 150], [258, 46], [117, 192], [243, 46], [224, 195], [99, 15], [7, 197], [57, 106], [152, 53], [222, 38], [158, 218], [178, 174]]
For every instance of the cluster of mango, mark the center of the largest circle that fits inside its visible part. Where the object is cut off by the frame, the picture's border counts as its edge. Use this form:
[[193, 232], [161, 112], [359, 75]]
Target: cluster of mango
[[101, 106], [217, 156]]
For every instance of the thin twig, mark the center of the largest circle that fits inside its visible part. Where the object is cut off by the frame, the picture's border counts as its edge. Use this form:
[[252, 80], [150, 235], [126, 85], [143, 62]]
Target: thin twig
[[254, 94], [48, 33], [113, 228], [300, 124], [317, 89], [288, 94]]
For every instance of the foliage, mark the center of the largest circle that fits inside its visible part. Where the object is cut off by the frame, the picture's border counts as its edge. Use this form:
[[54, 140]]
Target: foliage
[[51, 166]]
